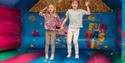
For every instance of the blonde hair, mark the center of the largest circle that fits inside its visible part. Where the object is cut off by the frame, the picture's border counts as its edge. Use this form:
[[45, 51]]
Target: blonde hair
[[53, 6]]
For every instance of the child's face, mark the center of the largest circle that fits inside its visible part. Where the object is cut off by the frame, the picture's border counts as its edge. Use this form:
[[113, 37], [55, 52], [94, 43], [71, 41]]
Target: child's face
[[51, 8], [74, 4]]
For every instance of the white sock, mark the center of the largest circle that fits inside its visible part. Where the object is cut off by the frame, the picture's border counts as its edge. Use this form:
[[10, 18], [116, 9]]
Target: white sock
[[76, 56], [52, 57], [46, 56], [69, 55]]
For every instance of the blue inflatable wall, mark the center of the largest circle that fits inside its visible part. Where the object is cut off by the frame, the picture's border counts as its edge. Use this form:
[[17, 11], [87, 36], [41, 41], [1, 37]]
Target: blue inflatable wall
[[34, 32]]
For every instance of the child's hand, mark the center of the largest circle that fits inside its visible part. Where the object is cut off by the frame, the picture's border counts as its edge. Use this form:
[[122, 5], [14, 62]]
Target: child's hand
[[87, 3], [46, 27], [62, 27], [40, 13]]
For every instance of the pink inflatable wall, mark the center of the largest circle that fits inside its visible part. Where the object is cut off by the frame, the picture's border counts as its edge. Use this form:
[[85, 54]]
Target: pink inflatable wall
[[10, 28]]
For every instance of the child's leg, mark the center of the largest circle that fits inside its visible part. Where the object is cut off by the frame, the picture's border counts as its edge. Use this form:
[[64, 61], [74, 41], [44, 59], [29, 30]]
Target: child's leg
[[47, 44], [69, 41], [53, 38], [75, 40]]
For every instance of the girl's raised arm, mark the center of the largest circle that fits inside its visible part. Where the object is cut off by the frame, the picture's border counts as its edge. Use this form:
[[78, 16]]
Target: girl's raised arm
[[41, 11], [87, 5]]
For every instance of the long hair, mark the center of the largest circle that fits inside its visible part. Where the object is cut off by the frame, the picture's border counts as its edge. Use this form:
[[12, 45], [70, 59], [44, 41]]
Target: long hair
[[54, 8]]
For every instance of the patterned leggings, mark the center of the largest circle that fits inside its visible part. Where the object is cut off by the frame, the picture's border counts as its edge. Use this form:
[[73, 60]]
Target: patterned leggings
[[50, 39]]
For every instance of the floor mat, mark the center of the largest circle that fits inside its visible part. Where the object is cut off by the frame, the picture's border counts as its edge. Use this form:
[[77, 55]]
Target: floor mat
[[84, 57], [60, 57], [23, 58], [8, 54]]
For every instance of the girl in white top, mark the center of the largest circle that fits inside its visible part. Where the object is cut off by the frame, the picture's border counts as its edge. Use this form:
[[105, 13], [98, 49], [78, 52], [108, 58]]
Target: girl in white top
[[75, 23]]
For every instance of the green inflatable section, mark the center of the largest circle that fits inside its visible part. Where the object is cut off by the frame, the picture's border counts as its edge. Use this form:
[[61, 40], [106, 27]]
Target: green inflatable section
[[123, 57], [8, 54]]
